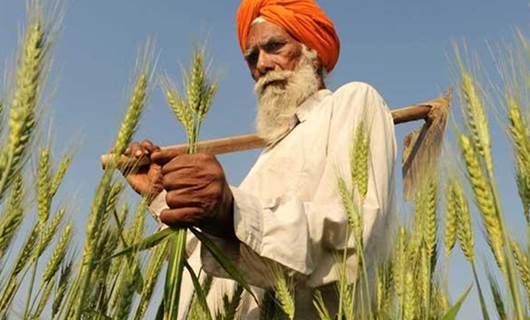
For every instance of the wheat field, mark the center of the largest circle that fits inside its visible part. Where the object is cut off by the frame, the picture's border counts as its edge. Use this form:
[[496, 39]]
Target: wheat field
[[115, 272]]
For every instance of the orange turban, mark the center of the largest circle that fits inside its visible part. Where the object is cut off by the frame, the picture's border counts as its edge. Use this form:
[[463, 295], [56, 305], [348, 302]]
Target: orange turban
[[304, 20]]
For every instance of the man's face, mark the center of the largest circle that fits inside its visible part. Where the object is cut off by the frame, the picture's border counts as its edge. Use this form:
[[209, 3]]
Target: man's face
[[270, 48]]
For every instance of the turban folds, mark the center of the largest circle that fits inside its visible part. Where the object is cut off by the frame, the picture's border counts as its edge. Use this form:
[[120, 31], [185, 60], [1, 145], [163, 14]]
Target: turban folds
[[304, 20]]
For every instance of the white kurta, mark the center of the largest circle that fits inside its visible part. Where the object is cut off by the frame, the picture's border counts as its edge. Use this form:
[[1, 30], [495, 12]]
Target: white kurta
[[288, 210]]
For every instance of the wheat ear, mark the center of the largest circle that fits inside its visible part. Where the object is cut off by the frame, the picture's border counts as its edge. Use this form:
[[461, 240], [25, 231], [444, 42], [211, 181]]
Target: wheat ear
[[521, 139], [58, 254], [450, 218], [465, 226], [523, 266], [21, 119], [485, 200]]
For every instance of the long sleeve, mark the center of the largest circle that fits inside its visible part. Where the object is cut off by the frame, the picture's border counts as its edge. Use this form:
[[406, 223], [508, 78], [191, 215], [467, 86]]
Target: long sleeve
[[303, 233]]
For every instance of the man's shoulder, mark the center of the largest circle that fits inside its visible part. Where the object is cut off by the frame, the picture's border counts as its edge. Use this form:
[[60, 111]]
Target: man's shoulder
[[358, 97], [355, 88]]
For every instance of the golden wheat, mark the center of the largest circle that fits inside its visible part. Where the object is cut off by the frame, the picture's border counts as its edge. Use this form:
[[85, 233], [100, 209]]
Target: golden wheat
[[485, 200], [450, 219]]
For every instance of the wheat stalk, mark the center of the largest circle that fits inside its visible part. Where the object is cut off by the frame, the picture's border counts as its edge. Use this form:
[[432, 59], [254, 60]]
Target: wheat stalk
[[43, 300], [154, 266]]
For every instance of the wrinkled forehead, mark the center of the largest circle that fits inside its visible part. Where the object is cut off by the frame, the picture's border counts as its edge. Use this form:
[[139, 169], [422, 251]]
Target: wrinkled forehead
[[262, 31]]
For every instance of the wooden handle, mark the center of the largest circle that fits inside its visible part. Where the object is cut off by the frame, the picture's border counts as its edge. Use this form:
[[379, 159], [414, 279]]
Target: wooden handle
[[252, 141]]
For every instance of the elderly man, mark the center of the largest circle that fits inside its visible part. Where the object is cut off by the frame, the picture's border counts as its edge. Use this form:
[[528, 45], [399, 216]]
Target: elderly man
[[287, 211]]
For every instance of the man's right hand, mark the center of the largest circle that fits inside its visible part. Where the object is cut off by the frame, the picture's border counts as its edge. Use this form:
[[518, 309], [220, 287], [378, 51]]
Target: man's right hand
[[145, 180]]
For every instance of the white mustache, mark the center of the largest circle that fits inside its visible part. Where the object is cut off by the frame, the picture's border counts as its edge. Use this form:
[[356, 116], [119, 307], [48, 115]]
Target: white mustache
[[270, 77]]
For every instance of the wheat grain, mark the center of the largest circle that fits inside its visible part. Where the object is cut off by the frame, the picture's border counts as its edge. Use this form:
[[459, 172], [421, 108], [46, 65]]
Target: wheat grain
[[352, 212], [485, 200], [96, 212], [359, 160], [126, 295], [21, 119], [425, 279], [134, 111], [283, 289], [12, 219], [465, 227], [48, 233], [476, 118], [59, 175], [523, 266], [8, 294], [410, 296], [43, 188], [431, 224], [450, 219], [206, 103], [26, 252], [181, 111], [521, 139], [400, 263], [61, 288], [195, 82], [58, 254]]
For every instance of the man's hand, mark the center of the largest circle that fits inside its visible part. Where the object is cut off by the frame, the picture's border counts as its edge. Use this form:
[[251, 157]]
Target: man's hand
[[197, 194], [146, 180]]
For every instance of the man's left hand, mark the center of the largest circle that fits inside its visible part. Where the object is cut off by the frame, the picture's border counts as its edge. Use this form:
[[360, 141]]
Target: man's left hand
[[198, 194]]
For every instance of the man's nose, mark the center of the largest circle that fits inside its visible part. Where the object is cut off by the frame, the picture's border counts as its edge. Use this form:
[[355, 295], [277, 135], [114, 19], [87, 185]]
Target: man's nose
[[265, 63]]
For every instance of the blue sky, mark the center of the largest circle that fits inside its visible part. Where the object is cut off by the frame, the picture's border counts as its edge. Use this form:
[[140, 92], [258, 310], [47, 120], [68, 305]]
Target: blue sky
[[402, 48]]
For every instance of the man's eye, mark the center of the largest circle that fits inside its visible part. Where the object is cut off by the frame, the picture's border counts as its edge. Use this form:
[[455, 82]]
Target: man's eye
[[274, 46], [252, 58]]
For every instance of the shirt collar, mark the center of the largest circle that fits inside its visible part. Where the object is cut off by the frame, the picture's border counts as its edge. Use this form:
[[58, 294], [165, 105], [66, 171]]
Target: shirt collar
[[303, 111]]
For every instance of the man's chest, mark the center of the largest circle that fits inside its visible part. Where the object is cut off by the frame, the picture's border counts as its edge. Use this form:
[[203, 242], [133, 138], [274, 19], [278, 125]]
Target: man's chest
[[294, 166]]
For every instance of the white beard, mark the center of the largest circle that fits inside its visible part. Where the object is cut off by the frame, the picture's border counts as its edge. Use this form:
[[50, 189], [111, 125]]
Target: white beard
[[279, 95]]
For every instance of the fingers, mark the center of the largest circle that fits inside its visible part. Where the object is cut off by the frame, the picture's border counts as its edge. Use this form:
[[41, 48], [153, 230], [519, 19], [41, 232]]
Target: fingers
[[143, 148], [179, 180], [163, 156], [188, 161], [149, 146], [182, 216]]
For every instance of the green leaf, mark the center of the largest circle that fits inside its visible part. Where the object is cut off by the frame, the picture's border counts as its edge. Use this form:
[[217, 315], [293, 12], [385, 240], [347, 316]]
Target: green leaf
[[453, 311], [201, 297], [174, 274], [147, 243], [227, 265]]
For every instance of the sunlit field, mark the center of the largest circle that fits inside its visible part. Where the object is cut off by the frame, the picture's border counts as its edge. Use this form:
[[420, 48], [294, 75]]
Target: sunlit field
[[122, 262]]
